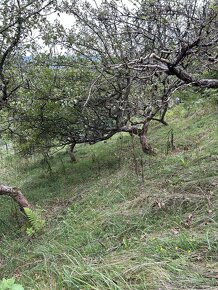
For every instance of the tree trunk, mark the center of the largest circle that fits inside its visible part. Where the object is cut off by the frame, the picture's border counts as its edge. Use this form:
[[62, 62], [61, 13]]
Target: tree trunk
[[71, 153], [142, 133], [15, 194], [146, 147]]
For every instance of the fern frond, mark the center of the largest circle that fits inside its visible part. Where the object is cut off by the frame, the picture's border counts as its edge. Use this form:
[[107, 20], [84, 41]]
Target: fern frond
[[35, 220]]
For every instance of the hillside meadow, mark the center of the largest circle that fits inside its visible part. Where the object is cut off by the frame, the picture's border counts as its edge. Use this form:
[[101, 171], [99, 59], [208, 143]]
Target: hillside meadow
[[119, 219]]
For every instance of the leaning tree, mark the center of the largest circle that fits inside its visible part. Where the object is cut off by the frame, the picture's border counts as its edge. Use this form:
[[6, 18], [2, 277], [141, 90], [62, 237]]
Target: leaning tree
[[57, 107], [156, 47], [134, 60], [119, 98]]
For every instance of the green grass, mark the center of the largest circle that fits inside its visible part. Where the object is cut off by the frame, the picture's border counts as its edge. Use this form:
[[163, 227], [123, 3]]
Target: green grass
[[110, 228]]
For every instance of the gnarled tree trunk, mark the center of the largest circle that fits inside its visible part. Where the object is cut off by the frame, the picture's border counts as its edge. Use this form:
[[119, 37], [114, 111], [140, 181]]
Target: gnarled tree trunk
[[143, 135], [71, 153], [15, 194]]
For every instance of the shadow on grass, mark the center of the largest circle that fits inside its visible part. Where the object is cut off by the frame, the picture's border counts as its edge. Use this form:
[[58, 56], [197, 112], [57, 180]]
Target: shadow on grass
[[61, 177]]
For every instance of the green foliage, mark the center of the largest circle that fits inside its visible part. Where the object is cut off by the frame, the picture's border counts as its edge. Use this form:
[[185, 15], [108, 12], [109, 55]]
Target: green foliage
[[36, 222], [9, 284]]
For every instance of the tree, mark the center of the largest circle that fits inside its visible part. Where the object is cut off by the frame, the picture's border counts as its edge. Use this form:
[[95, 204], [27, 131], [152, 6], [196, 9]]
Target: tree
[[56, 109], [18, 20], [157, 47], [105, 36], [137, 58]]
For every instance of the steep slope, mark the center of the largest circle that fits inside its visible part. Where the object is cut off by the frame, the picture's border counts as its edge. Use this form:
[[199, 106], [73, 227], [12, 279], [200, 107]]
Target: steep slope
[[118, 219]]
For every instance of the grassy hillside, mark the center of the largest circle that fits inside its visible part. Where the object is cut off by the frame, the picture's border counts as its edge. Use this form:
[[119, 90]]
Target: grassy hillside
[[119, 219]]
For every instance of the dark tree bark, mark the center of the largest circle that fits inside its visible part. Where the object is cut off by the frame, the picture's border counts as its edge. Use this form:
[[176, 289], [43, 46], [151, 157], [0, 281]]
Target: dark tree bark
[[16, 195], [71, 153], [190, 79], [143, 135]]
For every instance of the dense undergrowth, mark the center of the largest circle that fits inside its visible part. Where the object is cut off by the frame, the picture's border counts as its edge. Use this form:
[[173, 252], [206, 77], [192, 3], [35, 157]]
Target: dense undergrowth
[[119, 219]]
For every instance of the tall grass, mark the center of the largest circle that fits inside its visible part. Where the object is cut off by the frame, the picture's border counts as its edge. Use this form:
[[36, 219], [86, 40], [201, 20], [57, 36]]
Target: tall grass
[[109, 226]]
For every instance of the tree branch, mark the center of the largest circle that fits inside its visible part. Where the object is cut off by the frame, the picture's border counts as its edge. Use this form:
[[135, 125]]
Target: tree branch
[[15, 194]]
